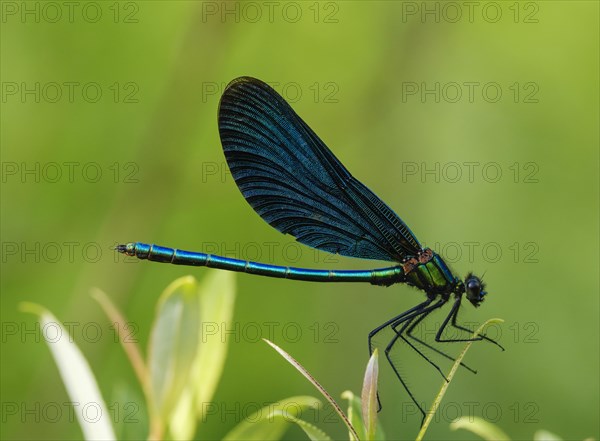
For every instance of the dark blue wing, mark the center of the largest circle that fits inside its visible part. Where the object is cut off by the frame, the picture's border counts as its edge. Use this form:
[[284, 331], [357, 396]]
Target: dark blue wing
[[294, 182]]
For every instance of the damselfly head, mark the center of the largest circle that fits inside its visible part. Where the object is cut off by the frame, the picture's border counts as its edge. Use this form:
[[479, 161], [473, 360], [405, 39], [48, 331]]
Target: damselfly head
[[475, 289]]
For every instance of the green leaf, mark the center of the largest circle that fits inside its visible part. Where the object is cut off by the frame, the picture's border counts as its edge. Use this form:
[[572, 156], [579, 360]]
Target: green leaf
[[217, 298], [450, 376], [271, 422], [182, 424], [315, 383], [76, 375], [216, 301], [312, 431], [355, 417], [480, 427], [369, 396], [355, 414], [544, 435], [173, 345]]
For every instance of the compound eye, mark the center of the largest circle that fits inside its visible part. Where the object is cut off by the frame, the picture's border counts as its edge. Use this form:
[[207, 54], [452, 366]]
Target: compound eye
[[473, 285]]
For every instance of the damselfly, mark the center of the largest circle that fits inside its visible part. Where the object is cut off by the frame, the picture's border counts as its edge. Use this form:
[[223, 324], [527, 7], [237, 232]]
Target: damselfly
[[296, 184]]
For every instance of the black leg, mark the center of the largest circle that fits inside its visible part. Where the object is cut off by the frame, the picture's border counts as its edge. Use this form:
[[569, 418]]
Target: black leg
[[379, 328], [452, 318], [462, 328], [406, 321], [402, 331], [409, 333]]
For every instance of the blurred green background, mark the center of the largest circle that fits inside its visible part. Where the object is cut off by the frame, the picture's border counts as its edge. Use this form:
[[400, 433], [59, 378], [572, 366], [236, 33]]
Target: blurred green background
[[378, 81]]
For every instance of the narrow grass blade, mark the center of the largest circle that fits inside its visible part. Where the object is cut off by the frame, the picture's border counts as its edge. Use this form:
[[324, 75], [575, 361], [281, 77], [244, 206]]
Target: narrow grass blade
[[315, 383], [445, 384], [77, 376], [132, 350]]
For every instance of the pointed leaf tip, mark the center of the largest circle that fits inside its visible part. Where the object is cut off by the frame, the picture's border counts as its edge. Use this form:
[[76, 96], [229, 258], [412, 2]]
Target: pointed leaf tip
[[369, 396], [76, 374]]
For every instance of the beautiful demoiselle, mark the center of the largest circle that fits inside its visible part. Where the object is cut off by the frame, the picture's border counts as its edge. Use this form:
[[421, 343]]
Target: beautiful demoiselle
[[296, 184]]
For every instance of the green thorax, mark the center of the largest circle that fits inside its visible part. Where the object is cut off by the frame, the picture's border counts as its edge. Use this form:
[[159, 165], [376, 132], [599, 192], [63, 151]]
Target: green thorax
[[432, 276]]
